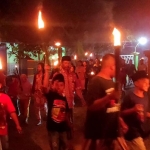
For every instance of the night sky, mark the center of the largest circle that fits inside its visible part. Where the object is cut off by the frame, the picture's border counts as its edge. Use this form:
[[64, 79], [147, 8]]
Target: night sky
[[93, 20]]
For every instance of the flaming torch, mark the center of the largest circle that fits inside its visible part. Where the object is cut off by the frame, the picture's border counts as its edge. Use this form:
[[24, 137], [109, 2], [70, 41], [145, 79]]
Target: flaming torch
[[117, 47], [41, 26], [40, 21], [121, 124]]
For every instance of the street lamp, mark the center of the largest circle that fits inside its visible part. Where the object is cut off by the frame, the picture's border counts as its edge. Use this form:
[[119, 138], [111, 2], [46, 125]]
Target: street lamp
[[141, 41], [57, 44]]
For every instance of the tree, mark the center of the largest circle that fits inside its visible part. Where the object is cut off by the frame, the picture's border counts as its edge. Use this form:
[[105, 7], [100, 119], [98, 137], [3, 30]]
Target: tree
[[22, 50]]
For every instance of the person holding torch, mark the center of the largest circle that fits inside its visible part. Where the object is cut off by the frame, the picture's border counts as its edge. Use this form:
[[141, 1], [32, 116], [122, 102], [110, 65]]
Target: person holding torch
[[103, 120]]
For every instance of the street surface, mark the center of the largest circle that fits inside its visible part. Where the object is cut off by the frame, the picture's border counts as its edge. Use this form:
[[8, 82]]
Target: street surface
[[36, 138]]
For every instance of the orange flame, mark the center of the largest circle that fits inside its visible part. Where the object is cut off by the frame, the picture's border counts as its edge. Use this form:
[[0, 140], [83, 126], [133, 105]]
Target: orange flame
[[40, 21], [117, 37], [1, 64]]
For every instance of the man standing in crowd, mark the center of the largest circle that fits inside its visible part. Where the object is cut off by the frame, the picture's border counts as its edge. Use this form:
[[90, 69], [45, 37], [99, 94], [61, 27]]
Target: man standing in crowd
[[13, 89], [142, 65], [80, 70], [130, 69], [101, 125], [37, 89], [24, 97]]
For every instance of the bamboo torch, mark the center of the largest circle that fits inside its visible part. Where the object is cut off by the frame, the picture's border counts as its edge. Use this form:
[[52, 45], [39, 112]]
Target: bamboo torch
[[41, 26], [121, 125], [117, 47]]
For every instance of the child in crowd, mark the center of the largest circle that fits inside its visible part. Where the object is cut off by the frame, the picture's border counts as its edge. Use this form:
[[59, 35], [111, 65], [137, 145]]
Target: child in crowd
[[58, 118], [6, 106], [135, 110]]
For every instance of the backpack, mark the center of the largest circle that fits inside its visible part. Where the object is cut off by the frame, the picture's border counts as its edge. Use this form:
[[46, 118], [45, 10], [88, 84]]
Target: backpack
[[2, 116]]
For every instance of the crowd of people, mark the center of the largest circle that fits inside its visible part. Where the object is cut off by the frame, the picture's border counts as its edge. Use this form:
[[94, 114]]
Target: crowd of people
[[109, 122]]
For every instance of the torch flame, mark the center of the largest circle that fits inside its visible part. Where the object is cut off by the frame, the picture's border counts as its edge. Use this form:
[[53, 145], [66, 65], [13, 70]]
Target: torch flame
[[1, 64], [40, 21], [117, 37]]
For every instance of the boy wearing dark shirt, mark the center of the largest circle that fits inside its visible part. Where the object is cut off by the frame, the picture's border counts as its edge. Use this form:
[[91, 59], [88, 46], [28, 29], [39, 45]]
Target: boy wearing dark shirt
[[135, 110], [57, 119]]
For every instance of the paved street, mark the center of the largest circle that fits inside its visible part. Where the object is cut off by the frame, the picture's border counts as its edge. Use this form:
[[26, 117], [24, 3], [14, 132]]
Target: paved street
[[36, 138]]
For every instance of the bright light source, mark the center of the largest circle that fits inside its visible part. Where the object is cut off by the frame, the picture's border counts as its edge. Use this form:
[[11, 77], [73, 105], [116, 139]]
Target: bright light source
[[16, 66], [86, 53], [117, 36], [40, 21], [53, 57], [101, 59], [1, 64], [55, 63], [92, 73], [142, 40], [75, 57], [91, 55], [57, 43]]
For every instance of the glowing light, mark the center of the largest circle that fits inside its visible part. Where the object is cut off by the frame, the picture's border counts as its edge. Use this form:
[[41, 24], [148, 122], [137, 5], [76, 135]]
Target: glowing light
[[75, 57], [91, 55], [40, 21], [101, 59], [57, 43], [16, 66], [53, 57], [1, 67], [55, 63], [86, 53], [117, 37], [142, 40], [92, 73]]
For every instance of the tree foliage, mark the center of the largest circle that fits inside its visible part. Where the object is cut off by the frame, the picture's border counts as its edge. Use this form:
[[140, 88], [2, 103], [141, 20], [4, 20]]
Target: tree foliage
[[22, 50]]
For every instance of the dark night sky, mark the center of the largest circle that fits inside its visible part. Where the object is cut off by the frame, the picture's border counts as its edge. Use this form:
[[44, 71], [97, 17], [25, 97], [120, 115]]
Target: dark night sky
[[91, 19]]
